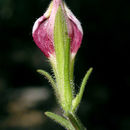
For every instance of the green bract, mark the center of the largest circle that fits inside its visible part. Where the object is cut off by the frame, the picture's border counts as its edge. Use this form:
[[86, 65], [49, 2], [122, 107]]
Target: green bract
[[62, 50]]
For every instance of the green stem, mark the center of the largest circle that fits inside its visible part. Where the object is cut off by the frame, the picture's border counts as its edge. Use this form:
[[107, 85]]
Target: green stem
[[72, 76]]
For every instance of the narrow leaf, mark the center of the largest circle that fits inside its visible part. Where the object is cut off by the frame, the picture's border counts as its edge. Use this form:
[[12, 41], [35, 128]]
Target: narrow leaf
[[62, 50], [61, 120], [78, 97], [49, 77]]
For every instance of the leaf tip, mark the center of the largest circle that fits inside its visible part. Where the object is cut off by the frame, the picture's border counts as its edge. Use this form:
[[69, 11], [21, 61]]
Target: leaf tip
[[38, 70]]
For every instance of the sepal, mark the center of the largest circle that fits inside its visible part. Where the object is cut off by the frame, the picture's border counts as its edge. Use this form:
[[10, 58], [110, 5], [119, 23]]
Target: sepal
[[62, 51]]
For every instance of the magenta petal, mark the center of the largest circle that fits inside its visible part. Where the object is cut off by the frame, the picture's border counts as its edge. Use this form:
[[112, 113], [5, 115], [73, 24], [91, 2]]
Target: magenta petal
[[43, 29], [76, 38], [76, 33], [42, 39]]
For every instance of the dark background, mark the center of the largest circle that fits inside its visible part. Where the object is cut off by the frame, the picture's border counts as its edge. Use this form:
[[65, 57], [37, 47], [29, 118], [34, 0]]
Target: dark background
[[25, 95]]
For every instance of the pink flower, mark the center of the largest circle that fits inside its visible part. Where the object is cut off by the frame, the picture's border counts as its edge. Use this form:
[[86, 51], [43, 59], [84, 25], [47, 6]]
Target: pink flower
[[43, 29]]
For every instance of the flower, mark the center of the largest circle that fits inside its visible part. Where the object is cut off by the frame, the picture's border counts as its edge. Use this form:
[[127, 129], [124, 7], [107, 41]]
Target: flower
[[43, 29], [58, 34]]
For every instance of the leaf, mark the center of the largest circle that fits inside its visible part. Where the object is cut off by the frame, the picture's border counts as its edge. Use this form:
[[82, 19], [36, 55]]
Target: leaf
[[62, 50], [49, 77], [61, 120], [77, 99]]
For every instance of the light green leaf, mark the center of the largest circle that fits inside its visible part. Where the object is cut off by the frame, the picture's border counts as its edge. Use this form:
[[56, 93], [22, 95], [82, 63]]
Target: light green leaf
[[77, 99], [61, 120], [62, 50], [49, 77]]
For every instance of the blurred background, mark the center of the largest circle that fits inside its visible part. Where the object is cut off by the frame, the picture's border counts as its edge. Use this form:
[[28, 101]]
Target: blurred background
[[25, 95]]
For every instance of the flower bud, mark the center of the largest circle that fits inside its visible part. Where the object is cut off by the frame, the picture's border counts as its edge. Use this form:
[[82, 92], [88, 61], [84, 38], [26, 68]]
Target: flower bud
[[43, 29], [59, 34]]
